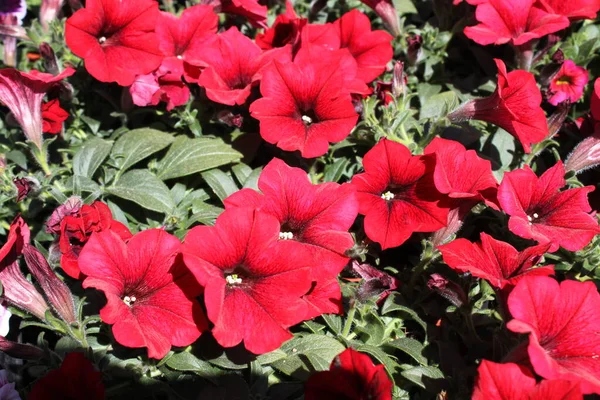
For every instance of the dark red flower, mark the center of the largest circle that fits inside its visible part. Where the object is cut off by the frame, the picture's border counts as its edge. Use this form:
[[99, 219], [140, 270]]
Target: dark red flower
[[253, 282], [305, 105], [317, 217], [70, 207], [497, 262], [397, 195], [285, 30], [540, 211], [233, 64], [75, 231], [462, 174], [18, 236], [352, 376], [574, 9], [515, 382], [563, 331], [182, 39], [23, 92], [448, 289], [568, 83], [24, 186], [149, 291], [84, 381], [513, 21], [53, 117], [514, 107], [116, 39], [375, 282]]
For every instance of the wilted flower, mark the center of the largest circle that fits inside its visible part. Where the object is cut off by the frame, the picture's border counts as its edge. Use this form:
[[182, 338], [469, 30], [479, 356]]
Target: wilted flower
[[70, 207], [21, 293], [413, 52], [25, 186], [55, 290], [449, 290], [376, 283]]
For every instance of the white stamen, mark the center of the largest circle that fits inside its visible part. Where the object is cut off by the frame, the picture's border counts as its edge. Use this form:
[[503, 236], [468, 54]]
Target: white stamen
[[102, 40], [307, 120], [387, 196], [286, 235], [180, 57], [535, 215], [129, 300], [233, 279], [529, 218]]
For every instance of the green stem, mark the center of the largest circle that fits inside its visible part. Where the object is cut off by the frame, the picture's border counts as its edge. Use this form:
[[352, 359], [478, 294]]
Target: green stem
[[470, 326], [42, 159], [349, 321]]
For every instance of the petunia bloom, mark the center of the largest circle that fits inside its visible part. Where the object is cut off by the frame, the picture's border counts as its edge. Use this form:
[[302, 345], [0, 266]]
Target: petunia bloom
[[515, 382], [538, 210], [316, 217], [53, 117], [568, 83], [84, 381], [253, 281], [305, 106], [285, 30], [514, 107], [250, 9], [18, 236], [497, 262], [150, 293], [7, 389], [563, 332], [165, 84], [23, 92], [397, 195], [513, 21], [181, 39], [574, 9], [116, 39], [76, 229], [233, 63], [351, 376]]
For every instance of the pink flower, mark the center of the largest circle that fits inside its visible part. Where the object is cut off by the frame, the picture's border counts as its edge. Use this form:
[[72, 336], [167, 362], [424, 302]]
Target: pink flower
[[23, 92], [540, 211], [563, 331], [150, 294], [568, 83]]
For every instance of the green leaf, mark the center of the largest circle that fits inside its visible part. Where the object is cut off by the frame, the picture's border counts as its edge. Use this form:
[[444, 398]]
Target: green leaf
[[220, 183], [439, 105], [187, 362], [500, 150], [189, 156], [145, 189], [138, 144], [206, 214], [334, 172], [416, 375], [90, 156], [410, 346], [307, 353], [392, 305], [81, 183], [404, 7], [390, 365]]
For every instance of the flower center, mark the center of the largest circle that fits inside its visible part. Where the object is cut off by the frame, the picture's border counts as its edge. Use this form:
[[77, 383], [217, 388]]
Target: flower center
[[307, 120], [233, 279], [180, 57], [531, 218], [286, 235], [129, 300], [387, 196], [102, 40], [563, 80]]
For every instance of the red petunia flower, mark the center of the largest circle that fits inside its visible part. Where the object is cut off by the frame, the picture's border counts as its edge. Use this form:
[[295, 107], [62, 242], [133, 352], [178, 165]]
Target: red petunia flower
[[149, 291], [317, 217], [285, 30], [352, 376], [568, 83], [397, 195], [563, 331], [514, 107], [250, 9], [497, 262], [513, 21], [75, 231], [53, 117], [115, 38], [574, 9], [462, 174], [233, 64], [305, 105], [164, 85], [84, 382], [371, 49], [182, 39], [515, 382], [253, 282], [18, 236], [595, 101], [23, 92], [540, 211]]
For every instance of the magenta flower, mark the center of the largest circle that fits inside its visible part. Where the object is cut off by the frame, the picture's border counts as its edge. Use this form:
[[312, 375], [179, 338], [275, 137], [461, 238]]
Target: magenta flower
[[568, 83]]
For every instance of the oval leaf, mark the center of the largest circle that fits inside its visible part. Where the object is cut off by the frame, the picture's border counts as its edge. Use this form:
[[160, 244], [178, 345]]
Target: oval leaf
[[145, 189], [138, 144]]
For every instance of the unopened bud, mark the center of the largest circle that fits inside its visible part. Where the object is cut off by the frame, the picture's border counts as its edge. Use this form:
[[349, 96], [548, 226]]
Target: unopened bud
[[447, 289], [387, 12], [399, 80], [19, 292], [558, 57], [57, 293], [49, 11], [557, 118], [50, 60], [455, 221], [585, 155], [229, 118], [375, 282], [20, 351], [415, 42]]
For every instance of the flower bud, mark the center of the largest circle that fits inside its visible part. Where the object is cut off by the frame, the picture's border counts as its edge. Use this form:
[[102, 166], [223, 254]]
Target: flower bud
[[558, 57], [399, 80], [556, 120], [387, 12], [585, 155], [447, 289], [414, 51], [25, 186], [50, 60], [456, 218], [49, 11], [19, 292], [375, 282], [57, 293], [20, 351]]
